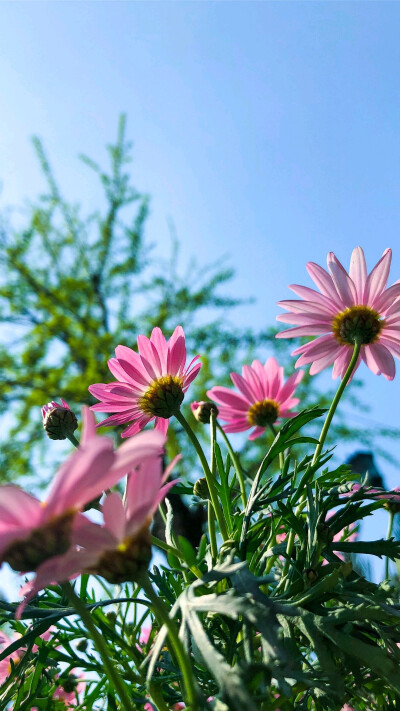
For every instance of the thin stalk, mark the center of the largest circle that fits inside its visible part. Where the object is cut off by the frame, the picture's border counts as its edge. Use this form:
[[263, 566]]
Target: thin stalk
[[209, 477], [388, 535], [175, 551], [161, 612], [281, 454], [112, 674], [324, 432], [73, 440], [236, 464], [336, 399], [211, 531]]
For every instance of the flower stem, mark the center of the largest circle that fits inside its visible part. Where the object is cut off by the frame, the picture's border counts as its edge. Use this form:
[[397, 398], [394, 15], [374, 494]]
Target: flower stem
[[324, 432], [207, 471], [73, 440], [335, 401], [211, 530], [388, 535], [161, 612], [112, 674], [281, 454], [236, 464]]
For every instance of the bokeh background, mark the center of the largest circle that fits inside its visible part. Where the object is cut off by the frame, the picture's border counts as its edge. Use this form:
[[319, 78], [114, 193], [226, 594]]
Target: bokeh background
[[266, 131]]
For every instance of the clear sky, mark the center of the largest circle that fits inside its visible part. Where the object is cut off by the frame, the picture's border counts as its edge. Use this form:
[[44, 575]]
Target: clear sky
[[266, 130]]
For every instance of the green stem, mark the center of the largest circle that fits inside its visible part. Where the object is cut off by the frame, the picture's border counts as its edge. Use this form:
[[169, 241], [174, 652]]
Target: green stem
[[211, 530], [175, 551], [112, 674], [335, 401], [281, 455], [388, 535], [236, 464], [209, 477], [73, 440], [161, 612], [324, 432]]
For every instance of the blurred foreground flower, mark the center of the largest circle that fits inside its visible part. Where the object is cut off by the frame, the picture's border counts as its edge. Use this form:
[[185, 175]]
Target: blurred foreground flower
[[151, 384], [263, 399], [120, 549], [351, 307], [31, 531]]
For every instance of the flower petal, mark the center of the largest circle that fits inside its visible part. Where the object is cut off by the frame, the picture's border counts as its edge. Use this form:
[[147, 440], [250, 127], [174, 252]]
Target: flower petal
[[344, 285], [358, 272], [378, 278]]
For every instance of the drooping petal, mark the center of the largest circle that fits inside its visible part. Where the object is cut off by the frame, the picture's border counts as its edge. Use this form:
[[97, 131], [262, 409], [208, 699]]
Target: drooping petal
[[379, 359]]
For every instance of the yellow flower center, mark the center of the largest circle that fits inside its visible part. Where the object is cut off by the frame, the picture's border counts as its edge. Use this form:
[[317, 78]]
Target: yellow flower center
[[357, 323], [263, 413], [164, 397]]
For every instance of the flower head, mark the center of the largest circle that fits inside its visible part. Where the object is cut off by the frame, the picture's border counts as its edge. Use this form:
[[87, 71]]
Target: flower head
[[59, 421], [150, 384], [263, 399], [32, 531], [348, 308], [120, 549]]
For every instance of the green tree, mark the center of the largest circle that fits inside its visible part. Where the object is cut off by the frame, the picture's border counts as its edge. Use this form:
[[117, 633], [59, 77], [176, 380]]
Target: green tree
[[73, 285]]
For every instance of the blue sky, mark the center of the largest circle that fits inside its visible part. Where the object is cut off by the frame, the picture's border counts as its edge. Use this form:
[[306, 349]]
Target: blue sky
[[266, 131]]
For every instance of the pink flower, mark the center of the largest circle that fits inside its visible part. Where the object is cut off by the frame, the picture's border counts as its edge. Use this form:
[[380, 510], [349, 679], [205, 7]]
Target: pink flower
[[120, 549], [350, 307], [15, 657], [263, 397], [32, 531], [151, 384]]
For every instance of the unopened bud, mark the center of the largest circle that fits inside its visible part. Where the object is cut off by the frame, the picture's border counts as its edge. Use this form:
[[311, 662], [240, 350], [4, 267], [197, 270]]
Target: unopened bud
[[310, 575], [201, 489], [59, 421], [82, 645], [202, 410], [325, 533], [111, 617], [69, 684]]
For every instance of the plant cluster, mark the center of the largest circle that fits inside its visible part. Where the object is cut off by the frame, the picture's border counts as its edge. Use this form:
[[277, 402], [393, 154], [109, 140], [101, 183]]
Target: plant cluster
[[268, 610]]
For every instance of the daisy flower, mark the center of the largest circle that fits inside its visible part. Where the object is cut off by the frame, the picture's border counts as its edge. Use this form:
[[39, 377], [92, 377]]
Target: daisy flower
[[120, 549], [31, 531], [264, 397], [348, 308], [150, 384]]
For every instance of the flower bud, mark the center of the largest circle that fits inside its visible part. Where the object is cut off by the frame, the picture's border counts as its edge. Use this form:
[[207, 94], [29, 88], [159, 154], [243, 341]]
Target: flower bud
[[310, 575], [201, 489], [59, 421], [82, 645], [202, 410]]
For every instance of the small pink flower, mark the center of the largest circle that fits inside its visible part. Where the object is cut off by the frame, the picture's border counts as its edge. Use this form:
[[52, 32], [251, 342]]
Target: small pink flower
[[119, 549], [264, 397], [151, 384], [348, 307], [32, 531]]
